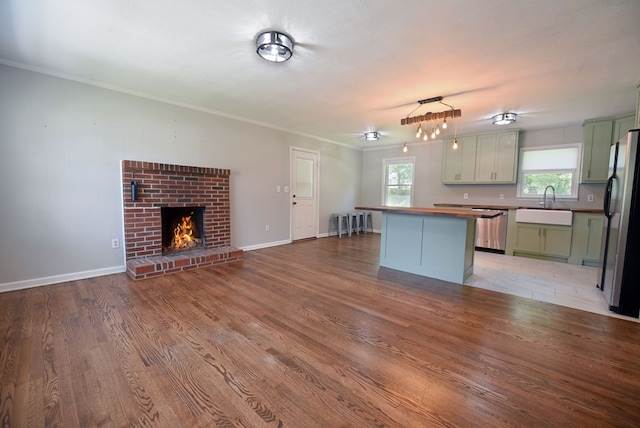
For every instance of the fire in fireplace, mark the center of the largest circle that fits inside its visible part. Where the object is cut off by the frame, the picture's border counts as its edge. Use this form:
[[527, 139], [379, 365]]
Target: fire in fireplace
[[181, 228]]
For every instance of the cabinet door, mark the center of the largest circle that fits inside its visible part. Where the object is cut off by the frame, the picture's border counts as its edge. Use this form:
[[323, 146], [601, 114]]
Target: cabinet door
[[595, 151], [496, 157], [528, 237], [467, 147], [450, 162], [458, 165], [594, 237], [506, 158], [556, 240], [485, 158], [622, 125]]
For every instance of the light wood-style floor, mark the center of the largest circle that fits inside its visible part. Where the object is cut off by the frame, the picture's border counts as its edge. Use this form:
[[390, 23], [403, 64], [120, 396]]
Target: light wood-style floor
[[554, 282], [312, 334]]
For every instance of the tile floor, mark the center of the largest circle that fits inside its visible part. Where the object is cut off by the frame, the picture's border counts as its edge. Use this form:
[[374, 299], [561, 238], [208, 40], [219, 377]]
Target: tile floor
[[559, 283]]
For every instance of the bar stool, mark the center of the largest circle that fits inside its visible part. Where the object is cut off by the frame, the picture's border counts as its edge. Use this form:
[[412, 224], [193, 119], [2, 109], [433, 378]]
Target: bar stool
[[342, 219], [356, 219], [367, 221]]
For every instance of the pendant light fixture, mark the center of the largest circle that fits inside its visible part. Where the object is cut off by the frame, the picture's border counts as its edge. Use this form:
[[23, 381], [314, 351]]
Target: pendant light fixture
[[405, 148], [274, 46], [436, 130]]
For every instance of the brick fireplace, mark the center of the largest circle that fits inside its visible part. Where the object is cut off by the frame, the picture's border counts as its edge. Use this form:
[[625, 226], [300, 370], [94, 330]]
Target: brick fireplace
[[164, 185]]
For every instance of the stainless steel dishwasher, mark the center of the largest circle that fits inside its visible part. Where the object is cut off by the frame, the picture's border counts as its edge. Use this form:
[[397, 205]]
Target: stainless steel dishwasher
[[491, 233]]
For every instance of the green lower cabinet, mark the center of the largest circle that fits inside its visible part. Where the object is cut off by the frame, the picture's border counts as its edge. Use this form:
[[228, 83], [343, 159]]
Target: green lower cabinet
[[587, 238], [543, 240]]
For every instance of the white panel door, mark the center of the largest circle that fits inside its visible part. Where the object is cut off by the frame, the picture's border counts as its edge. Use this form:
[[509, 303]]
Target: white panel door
[[304, 194]]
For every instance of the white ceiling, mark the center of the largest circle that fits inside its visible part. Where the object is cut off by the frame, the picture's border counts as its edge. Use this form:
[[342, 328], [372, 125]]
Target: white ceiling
[[358, 65]]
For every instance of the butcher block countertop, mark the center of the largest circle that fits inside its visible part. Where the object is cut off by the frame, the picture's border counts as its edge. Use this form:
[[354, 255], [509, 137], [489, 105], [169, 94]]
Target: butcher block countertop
[[512, 207], [451, 212]]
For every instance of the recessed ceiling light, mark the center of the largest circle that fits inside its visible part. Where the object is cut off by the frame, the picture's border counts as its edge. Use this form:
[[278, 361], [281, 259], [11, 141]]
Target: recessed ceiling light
[[504, 118], [274, 46]]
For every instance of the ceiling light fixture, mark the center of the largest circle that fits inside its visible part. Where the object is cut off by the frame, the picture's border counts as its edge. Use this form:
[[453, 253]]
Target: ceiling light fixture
[[405, 149], [274, 46], [371, 136], [504, 118], [451, 113]]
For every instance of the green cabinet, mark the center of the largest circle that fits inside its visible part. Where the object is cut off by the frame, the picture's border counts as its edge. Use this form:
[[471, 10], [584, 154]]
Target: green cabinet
[[587, 239], [622, 125], [598, 135], [596, 142], [458, 165], [481, 159], [497, 158], [543, 240]]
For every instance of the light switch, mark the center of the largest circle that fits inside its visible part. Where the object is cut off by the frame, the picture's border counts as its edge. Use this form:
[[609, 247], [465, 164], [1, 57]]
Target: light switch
[[466, 196], [286, 189], [278, 189]]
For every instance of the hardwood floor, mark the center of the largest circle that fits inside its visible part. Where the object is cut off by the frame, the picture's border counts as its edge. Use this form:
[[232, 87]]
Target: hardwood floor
[[312, 334]]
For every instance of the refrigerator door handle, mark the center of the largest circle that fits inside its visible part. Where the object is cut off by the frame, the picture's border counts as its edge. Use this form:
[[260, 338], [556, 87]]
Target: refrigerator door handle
[[607, 198]]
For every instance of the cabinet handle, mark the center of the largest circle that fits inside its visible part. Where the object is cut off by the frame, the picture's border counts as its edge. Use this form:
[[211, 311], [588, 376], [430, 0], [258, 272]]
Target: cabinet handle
[[588, 173]]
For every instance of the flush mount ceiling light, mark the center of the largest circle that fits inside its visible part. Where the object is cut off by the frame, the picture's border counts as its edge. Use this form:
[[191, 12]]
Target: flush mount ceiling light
[[371, 136], [504, 118], [274, 46]]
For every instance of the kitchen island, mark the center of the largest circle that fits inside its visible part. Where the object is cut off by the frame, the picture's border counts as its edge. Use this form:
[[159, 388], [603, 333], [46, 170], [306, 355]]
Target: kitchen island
[[434, 242]]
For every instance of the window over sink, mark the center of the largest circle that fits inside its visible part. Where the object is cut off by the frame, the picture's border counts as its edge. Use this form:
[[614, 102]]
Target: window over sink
[[556, 166]]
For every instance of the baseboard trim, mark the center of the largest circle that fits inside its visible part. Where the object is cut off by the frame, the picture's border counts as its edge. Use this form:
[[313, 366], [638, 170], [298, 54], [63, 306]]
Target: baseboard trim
[[55, 279], [265, 245]]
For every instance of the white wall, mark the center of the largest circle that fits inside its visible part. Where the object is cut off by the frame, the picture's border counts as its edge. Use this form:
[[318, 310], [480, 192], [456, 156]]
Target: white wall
[[61, 143], [429, 189]]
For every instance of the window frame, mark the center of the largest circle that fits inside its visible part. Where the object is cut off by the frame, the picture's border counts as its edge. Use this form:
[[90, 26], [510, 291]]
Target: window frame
[[397, 161], [575, 181]]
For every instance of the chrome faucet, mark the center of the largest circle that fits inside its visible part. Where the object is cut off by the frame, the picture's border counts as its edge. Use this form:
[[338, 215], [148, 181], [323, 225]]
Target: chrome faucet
[[544, 197]]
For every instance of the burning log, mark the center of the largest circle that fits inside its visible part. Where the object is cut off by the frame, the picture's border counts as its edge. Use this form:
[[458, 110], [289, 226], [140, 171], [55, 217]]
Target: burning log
[[183, 235]]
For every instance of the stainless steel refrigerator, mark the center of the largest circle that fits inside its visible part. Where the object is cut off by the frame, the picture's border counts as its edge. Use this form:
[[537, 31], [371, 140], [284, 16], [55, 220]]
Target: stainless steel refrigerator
[[620, 253]]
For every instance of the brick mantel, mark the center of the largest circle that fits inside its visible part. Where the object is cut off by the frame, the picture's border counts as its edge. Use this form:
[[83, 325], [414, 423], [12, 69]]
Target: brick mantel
[[165, 185]]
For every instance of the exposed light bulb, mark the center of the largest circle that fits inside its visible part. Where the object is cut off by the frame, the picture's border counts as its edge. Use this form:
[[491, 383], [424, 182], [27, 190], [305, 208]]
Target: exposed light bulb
[[438, 129], [433, 133], [426, 137], [444, 124], [419, 131], [405, 148], [455, 144]]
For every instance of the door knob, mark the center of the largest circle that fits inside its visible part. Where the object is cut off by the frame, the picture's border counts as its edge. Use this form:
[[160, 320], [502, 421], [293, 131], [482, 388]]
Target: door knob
[[294, 203]]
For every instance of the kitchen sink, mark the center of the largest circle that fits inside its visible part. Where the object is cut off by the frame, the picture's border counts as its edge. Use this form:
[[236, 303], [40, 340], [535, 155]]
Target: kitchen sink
[[558, 217]]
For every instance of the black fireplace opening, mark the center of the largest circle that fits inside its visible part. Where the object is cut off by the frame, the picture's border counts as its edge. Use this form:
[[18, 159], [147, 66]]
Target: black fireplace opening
[[182, 228]]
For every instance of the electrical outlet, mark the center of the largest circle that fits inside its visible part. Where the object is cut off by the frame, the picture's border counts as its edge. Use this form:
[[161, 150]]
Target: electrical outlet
[[501, 195], [466, 196], [115, 243], [278, 189], [590, 198], [266, 228], [286, 189]]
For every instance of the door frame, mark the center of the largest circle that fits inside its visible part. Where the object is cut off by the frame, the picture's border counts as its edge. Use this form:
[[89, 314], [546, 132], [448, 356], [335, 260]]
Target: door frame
[[316, 190]]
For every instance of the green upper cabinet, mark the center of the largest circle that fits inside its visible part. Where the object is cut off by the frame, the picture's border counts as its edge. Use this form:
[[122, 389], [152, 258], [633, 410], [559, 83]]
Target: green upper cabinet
[[497, 158], [622, 126], [458, 165], [481, 159], [598, 135], [596, 142]]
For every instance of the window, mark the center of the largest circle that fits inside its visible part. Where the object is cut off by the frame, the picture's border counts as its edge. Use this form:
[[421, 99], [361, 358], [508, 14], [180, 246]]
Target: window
[[397, 182], [555, 166]]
